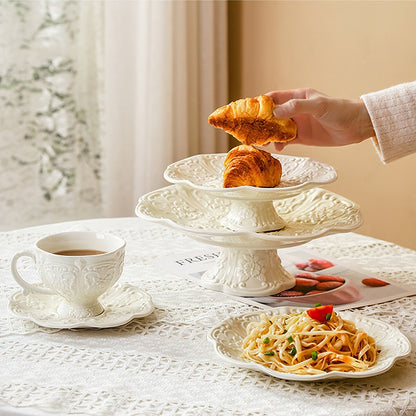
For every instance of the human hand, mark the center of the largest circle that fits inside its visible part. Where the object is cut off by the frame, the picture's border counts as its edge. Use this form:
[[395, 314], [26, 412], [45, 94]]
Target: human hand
[[322, 120]]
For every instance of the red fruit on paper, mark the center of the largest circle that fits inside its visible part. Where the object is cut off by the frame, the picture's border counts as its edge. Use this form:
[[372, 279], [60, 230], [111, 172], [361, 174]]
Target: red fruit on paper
[[320, 263], [315, 292], [328, 285], [330, 278], [303, 285], [301, 266], [373, 282], [290, 293], [312, 269], [305, 275]]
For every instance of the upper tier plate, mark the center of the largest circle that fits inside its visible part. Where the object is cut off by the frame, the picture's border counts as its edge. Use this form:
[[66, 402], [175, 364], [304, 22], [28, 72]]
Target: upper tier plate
[[204, 172]]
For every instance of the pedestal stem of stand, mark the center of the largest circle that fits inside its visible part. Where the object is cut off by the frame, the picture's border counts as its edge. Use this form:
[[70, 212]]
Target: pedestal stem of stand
[[257, 216], [246, 272]]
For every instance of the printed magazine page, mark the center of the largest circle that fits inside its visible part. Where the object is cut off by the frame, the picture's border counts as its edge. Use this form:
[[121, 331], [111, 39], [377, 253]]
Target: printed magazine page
[[318, 280]]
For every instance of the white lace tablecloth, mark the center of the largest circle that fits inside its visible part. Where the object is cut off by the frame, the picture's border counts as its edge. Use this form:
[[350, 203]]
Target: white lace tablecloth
[[163, 364]]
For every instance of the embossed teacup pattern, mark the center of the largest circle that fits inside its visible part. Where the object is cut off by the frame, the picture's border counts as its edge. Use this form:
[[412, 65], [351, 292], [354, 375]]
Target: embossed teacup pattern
[[78, 279], [81, 281]]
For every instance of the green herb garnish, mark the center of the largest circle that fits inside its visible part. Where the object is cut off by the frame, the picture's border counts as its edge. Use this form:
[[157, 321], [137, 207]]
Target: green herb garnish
[[328, 316], [269, 353], [292, 351], [290, 339], [317, 304], [266, 340], [314, 355]]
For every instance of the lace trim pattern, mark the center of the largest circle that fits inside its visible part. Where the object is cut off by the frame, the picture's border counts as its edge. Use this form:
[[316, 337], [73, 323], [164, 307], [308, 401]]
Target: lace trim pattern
[[163, 364]]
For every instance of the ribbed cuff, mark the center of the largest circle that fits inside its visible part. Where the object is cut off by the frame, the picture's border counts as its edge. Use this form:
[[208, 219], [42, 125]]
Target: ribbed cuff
[[393, 114]]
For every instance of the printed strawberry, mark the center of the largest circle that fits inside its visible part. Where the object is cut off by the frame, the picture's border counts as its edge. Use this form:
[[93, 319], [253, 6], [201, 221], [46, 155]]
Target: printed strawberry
[[320, 264], [328, 285], [289, 293], [305, 275], [312, 269], [303, 284], [315, 292], [373, 282], [302, 266], [329, 278]]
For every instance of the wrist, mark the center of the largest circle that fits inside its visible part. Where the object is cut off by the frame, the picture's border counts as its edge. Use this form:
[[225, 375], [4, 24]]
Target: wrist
[[366, 128]]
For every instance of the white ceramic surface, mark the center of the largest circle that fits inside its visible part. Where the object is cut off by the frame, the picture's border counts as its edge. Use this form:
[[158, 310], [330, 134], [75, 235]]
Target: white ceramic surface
[[245, 272], [249, 264], [204, 172], [80, 280], [310, 214], [227, 338], [122, 303], [164, 361]]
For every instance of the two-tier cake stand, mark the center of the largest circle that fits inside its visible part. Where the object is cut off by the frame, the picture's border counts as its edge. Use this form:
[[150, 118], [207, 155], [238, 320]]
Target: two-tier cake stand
[[249, 223]]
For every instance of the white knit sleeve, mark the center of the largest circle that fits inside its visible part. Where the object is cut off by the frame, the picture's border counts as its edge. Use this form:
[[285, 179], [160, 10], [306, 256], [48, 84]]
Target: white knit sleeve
[[393, 114]]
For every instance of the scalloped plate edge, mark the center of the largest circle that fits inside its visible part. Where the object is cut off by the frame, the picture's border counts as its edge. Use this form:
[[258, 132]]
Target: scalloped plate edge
[[93, 322], [377, 369], [263, 236], [306, 184]]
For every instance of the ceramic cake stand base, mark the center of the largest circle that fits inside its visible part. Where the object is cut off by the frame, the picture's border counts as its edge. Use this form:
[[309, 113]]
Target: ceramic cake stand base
[[246, 272], [248, 264]]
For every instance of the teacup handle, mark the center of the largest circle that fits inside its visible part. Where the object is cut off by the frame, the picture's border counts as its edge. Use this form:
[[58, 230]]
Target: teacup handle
[[16, 275]]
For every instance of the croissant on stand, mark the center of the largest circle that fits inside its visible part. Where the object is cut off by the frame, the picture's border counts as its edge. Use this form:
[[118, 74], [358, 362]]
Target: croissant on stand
[[246, 165]]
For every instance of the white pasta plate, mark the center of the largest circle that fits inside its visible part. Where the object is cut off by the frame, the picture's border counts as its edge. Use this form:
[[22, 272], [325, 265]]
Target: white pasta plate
[[228, 336]]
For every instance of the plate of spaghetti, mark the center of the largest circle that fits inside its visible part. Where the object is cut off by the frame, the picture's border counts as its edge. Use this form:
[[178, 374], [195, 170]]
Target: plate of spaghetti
[[312, 344]]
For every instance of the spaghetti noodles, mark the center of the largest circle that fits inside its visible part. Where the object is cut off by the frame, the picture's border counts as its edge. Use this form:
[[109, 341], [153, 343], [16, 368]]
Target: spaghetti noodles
[[297, 343]]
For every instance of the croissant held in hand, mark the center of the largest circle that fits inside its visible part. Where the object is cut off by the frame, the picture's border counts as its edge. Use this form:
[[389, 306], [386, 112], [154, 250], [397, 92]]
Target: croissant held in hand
[[251, 121], [246, 165]]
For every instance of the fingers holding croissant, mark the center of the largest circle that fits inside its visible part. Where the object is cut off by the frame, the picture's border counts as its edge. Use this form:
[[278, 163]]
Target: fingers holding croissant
[[251, 121]]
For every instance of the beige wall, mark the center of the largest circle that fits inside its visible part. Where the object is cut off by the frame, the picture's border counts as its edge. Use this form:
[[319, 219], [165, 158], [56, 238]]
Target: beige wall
[[345, 49]]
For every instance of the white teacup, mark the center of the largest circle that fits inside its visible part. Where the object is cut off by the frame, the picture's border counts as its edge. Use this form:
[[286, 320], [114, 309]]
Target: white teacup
[[79, 266]]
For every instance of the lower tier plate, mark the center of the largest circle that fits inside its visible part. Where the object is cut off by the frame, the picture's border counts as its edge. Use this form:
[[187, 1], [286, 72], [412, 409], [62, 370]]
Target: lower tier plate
[[310, 214]]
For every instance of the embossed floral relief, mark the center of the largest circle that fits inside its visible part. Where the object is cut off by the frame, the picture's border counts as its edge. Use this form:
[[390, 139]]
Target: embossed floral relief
[[50, 159]]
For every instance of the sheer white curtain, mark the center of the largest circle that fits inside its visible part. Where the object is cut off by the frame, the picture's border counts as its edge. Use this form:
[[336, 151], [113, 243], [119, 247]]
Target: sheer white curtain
[[165, 72], [98, 97], [50, 135]]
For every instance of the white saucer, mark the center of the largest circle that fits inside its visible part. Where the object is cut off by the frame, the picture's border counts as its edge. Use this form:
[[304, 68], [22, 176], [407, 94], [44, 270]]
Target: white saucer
[[122, 303]]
